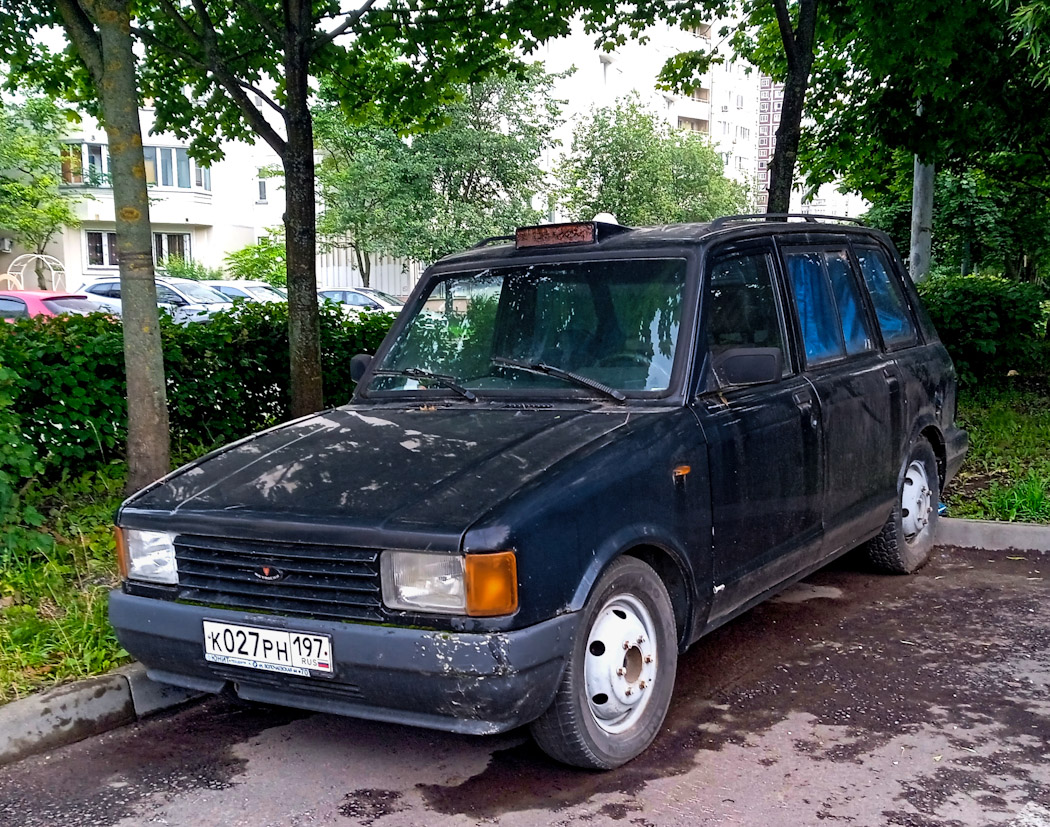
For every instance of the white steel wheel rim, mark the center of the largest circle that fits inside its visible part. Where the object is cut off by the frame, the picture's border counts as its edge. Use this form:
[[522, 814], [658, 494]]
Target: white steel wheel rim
[[620, 663], [916, 500]]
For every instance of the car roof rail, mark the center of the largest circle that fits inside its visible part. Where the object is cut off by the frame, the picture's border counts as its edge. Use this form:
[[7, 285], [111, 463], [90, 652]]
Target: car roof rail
[[492, 239], [725, 220]]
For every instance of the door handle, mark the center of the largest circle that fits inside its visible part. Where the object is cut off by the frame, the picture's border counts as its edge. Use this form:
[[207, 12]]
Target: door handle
[[804, 402]]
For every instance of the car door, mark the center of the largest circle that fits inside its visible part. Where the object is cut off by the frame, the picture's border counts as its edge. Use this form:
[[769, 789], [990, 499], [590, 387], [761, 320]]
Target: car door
[[764, 439], [857, 387]]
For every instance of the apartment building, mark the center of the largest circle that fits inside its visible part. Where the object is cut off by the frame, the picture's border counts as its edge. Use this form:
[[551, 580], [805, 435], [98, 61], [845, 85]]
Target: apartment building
[[199, 213], [828, 200], [723, 105]]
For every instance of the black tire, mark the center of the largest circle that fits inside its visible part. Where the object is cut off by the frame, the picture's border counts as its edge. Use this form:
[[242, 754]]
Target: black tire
[[904, 544], [582, 729]]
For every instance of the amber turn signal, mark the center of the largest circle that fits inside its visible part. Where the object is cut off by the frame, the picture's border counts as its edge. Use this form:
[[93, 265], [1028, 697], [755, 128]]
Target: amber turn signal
[[122, 552], [492, 584]]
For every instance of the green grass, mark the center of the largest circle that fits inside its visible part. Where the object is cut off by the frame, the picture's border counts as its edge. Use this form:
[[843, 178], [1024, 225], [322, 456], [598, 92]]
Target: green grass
[[1006, 475], [56, 569]]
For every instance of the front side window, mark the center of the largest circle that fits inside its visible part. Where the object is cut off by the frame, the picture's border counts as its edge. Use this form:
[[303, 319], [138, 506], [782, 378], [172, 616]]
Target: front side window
[[890, 310], [741, 310], [614, 323]]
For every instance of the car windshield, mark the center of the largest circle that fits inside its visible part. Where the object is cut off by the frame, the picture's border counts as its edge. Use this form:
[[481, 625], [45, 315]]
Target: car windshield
[[266, 293], [606, 326], [199, 294], [75, 305], [385, 297]]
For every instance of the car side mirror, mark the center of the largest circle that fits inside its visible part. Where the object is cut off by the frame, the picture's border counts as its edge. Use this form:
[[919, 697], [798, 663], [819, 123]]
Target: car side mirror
[[748, 365], [359, 364]]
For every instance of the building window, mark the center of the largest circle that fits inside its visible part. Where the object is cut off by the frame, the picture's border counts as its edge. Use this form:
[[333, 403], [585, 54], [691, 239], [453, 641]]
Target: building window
[[102, 249], [778, 106], [693, 124], [702, 30], [701, 94], [763, 141], [778, 94], [739, 101], [765, 94], [764, 106], [168, 245], [72, 164], [182, 167], [166, 177], [262, 191], [743, 133], [149, 157], [766, 82]]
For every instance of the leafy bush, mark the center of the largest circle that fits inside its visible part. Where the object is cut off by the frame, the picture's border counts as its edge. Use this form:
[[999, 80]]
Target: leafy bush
[[68, 373], [179, 268], [264, 261], [225, 379], [990, 325], [230, 377]]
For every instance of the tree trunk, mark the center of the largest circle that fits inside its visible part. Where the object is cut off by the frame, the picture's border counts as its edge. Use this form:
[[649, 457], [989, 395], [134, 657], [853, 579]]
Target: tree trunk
[[798, 48], [304, 338], [364, 266], [921, 221], [110, 58]]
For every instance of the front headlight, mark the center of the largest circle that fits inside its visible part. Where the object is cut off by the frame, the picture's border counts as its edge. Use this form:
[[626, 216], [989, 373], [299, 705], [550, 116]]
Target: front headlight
[[149, 555], [480, 585]]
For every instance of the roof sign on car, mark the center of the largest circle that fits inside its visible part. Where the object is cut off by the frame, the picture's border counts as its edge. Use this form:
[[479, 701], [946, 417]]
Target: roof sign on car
[[554, 235]]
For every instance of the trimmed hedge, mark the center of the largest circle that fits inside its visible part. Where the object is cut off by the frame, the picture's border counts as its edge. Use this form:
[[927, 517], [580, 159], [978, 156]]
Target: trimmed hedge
[[64, 385], [990, 325]]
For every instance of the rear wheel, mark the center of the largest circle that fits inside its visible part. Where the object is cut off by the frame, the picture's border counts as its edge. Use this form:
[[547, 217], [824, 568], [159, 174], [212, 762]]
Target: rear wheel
[[617, 686], [904, 544]]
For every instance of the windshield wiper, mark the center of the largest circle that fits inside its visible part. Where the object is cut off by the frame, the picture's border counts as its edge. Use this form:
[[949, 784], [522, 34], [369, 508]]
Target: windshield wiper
[[437, 378], [549, 370]]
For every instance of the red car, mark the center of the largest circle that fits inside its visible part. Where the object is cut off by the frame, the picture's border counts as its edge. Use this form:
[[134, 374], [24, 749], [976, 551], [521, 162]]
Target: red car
[[21, 304]]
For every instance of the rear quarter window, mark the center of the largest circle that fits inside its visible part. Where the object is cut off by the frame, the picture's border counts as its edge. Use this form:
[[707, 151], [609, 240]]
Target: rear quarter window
[[891, 311]]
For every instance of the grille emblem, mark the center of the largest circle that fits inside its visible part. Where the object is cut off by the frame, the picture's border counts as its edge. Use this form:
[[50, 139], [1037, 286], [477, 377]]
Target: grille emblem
[[268, 573]]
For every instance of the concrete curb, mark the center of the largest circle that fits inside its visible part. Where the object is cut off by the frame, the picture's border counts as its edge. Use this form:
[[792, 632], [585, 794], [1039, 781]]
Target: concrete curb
[[79, 710], [993, 536]]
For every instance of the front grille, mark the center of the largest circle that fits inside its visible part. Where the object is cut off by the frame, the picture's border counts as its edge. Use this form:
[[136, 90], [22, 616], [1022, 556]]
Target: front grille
[[318, 581]]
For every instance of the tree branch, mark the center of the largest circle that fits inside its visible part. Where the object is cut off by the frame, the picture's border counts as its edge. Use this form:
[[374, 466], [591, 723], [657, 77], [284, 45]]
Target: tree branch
[[351, 20], [82, 33], [214, 63], [787, 34]]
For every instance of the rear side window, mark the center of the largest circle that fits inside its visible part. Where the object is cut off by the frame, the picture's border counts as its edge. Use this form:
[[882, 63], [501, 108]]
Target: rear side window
[[830, 311], [109, 289], [890, 310], [11, 308], [74, 305]]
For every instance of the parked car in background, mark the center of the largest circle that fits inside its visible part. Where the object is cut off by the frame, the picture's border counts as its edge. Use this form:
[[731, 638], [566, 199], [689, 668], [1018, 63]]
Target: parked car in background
[[21, 304], [253, 291], [362, 298], [186, 300], [575, 454]]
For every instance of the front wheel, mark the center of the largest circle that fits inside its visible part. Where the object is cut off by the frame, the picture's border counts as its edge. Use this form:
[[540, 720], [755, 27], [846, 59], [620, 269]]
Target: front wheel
[[905, 542], [617, 685]]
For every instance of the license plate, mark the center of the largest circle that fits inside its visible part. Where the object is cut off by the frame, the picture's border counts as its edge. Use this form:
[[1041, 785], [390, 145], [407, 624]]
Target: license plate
[[273, 650]]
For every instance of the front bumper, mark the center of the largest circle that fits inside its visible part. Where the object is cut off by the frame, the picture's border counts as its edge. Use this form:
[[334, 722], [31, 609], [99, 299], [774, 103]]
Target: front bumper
[[470, 683]]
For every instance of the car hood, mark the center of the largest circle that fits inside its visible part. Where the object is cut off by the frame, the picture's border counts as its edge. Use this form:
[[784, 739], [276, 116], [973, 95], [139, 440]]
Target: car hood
[[436, 469]]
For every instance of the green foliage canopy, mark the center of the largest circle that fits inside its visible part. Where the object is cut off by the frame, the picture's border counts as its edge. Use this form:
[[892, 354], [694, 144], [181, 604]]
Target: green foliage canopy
[[473, 176], [263, 261], [627, 161]]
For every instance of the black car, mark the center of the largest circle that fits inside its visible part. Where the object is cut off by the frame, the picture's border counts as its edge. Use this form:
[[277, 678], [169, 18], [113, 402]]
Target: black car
[[578, 451]]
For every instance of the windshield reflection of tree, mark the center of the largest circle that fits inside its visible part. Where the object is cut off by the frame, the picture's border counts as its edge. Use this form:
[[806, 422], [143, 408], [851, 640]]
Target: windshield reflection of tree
[[614, 321]]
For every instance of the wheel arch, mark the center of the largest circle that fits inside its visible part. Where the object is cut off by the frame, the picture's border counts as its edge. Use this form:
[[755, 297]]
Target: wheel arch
[[932, 434], [665, 558]]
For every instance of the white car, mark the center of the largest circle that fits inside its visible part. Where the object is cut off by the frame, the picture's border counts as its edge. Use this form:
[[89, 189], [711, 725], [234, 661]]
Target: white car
[[362, 298], [186, 300], [253, 291]]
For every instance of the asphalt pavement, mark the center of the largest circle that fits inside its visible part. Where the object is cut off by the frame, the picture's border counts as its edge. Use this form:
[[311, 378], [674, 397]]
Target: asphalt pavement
[[852, 698]]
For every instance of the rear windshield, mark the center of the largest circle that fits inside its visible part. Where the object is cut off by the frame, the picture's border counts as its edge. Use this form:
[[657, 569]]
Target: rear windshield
[[611, 322], [77, 306]]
